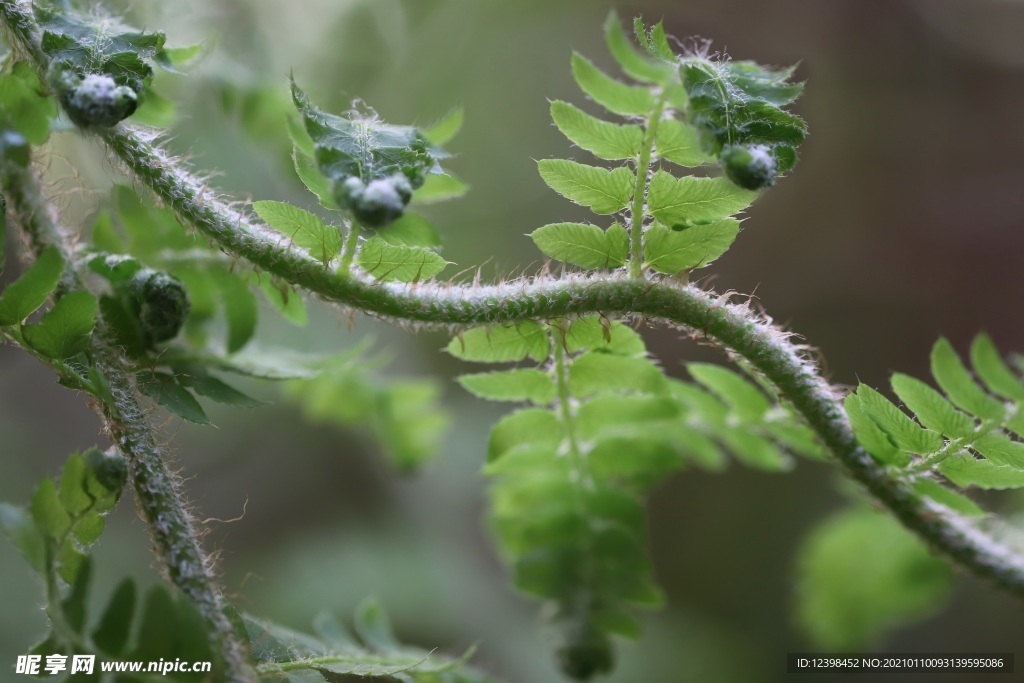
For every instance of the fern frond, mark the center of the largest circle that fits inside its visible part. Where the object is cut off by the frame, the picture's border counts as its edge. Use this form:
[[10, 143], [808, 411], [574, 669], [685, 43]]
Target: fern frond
[[970, 433], [334, 654], [572, 471]]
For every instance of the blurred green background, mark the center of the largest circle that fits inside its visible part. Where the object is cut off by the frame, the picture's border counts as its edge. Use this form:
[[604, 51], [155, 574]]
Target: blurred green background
[[901, 223]]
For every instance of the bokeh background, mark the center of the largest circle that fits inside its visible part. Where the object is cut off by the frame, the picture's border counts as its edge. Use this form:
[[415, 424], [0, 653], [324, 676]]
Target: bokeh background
[[903, 221]]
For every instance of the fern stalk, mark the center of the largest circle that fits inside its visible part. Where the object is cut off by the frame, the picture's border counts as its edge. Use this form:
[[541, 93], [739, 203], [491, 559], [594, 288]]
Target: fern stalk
[[172, 528], [643, 164]]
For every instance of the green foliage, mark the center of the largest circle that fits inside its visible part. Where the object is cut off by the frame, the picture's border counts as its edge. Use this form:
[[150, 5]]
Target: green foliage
[[386, 261], [21, 298], [373, 167], [603, 191], [335, 654], [580, 244], [847, 598], [969, 436], [737, 107], [303, 228], [24, 105], [66, 515], [402, 413], [671, 251], [604, 140], [101, 69], [567, 505], [65, 329], [680, 203]]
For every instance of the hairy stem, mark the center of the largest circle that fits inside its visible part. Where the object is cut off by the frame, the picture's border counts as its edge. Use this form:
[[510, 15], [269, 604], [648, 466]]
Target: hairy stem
[[157, 489], [636, 227], [733, 326]]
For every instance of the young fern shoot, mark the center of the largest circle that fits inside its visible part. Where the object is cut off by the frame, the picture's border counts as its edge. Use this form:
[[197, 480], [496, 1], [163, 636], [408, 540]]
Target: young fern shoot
[[145, 309]]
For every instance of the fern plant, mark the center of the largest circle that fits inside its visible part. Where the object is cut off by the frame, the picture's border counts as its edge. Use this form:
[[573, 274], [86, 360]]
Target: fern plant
[[158, 304]]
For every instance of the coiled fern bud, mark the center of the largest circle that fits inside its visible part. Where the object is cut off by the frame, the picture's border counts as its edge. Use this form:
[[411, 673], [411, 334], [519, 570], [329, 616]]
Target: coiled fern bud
[[159, 302], [378, 202], [94, 100]]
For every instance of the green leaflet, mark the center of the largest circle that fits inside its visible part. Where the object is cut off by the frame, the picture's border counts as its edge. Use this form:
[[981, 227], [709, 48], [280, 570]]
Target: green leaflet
[[392, 262], [672, 251], [240, 309], [411, 230], [614, 96], [604, 140], [597, 372], [66, 328], [956, 381], [678, 142], [931, 409], [168, 392], [525, 384], [440, 188], [446, 128], [849, 599], [906, 434], [654, 40], [965, 470], [335, 653], [305, 230], [870, 435], [634, 64], [684, 202], [24, 105], [604, 191], [28, 292], [583, 245], [996, 375], [742, 397], [499, 343], [598, 334], [944, 496], [315, 182]]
